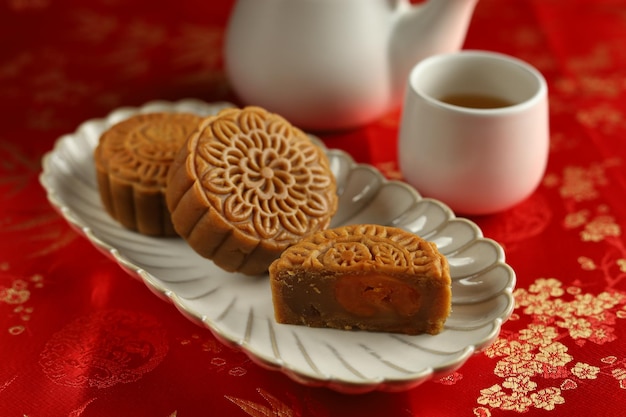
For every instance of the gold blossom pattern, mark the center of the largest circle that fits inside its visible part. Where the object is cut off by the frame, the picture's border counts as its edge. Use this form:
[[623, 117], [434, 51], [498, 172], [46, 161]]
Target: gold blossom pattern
[[16, 295], [192, 64], [534, 356], [276, 407]]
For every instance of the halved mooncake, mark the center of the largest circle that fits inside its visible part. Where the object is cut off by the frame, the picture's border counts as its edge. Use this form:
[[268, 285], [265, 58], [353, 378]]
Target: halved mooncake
[[132, 161], [367, 277], [246, 186]]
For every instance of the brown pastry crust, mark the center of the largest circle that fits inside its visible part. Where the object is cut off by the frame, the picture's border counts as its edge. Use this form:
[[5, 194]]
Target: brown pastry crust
[[246, 186], [132, 160], [367, 277]]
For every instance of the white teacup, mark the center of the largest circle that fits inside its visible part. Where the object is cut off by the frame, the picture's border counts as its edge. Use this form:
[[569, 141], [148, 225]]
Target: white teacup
[[476, 160]]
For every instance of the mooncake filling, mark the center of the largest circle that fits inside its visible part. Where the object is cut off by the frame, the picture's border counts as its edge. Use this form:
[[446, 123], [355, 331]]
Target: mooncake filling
[[367, 277]]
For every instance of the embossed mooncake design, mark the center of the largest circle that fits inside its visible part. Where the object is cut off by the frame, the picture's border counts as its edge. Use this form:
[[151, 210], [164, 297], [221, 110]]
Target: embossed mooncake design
[[246, 186], [132, 161], [367, 277]]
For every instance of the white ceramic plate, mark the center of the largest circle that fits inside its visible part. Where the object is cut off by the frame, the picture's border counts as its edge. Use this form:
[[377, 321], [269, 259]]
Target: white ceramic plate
[[238, 309]]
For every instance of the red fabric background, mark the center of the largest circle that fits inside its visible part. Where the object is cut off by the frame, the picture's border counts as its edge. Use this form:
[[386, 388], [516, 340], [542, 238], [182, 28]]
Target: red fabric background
[[72, 323]]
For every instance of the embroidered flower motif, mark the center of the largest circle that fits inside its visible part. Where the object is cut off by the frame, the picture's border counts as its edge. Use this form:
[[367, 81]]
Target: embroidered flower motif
[[492, 396], [274, 407], [577, 219], [547, 398], [550, 286], [17, 293], [578, 328], [585, 371], [586, 263], [520, 384], [512, 366], [554, 354], [451, 379], [538, 334], [536, 352], [580, 184], [516, 402], [600, 228]]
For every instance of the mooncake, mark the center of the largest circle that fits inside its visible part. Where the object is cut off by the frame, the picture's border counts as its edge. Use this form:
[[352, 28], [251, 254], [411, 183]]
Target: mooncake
[[247, 185], [132, 160], [366, 277]]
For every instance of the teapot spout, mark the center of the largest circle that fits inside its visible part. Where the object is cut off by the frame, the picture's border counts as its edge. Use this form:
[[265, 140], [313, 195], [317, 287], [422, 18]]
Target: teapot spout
[[421, 30]]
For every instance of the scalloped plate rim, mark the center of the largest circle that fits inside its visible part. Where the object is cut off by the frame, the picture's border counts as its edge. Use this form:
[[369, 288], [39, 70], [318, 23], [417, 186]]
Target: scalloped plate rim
[[160, 289]]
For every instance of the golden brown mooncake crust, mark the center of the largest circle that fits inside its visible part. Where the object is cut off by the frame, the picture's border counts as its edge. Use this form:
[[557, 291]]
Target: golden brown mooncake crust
[[132, 160], [246, 186], [367, 277]]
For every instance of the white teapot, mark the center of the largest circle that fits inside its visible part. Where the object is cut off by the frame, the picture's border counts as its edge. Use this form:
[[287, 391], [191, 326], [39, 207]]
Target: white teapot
[[335, 64]]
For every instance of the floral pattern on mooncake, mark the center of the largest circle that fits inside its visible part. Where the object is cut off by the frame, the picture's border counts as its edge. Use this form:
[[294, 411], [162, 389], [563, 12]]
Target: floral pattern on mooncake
[[367, 277], [141, 149], [264, 175], [365, 248], [132, 161], [248, 185]]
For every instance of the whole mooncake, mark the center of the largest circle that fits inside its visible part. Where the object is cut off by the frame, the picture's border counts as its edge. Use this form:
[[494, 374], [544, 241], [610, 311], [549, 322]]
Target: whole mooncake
[[246, 186], [132, 160], [366, 277]]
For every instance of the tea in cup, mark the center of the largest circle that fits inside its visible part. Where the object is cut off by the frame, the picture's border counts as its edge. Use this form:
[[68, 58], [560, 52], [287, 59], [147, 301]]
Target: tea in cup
[[474, 131]]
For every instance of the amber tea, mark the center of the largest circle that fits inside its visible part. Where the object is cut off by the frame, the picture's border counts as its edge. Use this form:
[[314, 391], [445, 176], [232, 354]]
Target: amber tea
[[476, 101]]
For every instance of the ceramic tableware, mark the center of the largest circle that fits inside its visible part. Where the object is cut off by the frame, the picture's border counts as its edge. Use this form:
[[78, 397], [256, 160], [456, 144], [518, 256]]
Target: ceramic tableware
[[474, 131]]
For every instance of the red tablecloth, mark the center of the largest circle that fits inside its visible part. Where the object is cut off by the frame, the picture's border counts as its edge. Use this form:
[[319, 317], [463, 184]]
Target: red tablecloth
[[561, 353]]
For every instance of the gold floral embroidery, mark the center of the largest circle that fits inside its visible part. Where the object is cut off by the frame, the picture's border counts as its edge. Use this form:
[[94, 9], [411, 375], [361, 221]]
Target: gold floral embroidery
[[550, 286], [603, 117], [581, 184], [16, 296], [17, 293], [620, 375], [276, 407], [576, 219], [599, 58], [547, 398], [600, 228], [532, 361], [450, 379], [585, 371], [214, 348], [586, 263], [592, 85]]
